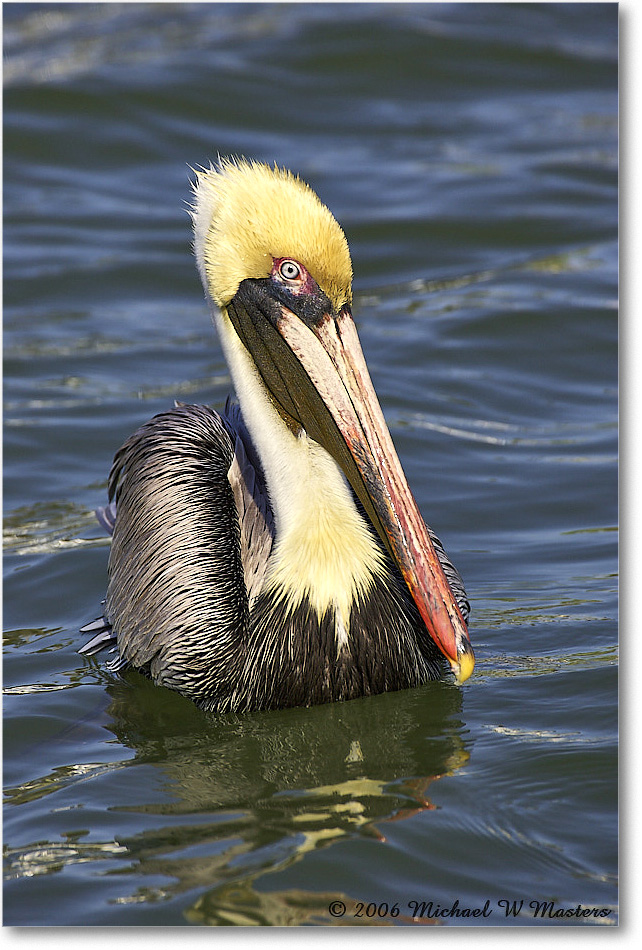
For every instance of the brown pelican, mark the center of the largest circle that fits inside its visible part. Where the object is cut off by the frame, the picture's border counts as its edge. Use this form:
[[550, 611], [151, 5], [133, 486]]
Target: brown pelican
[[274, 555]]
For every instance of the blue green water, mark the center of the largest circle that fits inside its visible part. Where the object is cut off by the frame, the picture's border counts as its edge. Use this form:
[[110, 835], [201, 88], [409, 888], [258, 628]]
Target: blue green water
[[470, 153]]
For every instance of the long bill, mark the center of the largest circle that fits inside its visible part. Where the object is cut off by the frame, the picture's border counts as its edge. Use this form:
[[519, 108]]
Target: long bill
[[335, 387]]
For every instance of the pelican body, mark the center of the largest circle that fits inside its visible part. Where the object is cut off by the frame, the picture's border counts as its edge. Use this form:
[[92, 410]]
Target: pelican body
[[273, 555]]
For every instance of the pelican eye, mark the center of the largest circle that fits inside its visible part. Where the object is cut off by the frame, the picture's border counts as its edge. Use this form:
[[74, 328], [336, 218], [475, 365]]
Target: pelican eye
[[289, 270]]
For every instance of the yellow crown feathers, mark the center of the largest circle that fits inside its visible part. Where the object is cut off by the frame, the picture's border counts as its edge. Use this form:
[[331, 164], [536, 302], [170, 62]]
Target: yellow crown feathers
[[246, 213]]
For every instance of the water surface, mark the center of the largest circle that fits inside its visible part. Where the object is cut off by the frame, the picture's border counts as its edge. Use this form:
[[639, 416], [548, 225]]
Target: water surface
[[469, 151]]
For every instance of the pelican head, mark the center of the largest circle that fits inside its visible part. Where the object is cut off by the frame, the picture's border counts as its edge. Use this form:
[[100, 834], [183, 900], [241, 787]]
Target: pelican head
[[276, 269]]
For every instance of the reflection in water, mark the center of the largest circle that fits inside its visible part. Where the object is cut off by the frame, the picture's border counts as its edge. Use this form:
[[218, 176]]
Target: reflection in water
[[260, 791], [238, 903], [279, 785]]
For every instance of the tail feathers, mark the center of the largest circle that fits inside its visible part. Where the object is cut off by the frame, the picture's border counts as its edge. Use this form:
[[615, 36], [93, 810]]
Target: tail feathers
[[103, 638], [107, 517]]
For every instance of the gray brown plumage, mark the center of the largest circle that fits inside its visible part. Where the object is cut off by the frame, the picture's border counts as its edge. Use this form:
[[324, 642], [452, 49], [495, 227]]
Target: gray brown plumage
[[273, 555]]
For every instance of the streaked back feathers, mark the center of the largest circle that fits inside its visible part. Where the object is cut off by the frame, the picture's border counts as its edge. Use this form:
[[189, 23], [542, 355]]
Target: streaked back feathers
[[246, 213]]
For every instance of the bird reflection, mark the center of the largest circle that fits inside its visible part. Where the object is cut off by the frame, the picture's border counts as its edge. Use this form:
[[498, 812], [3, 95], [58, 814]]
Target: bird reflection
[[259, 792]]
